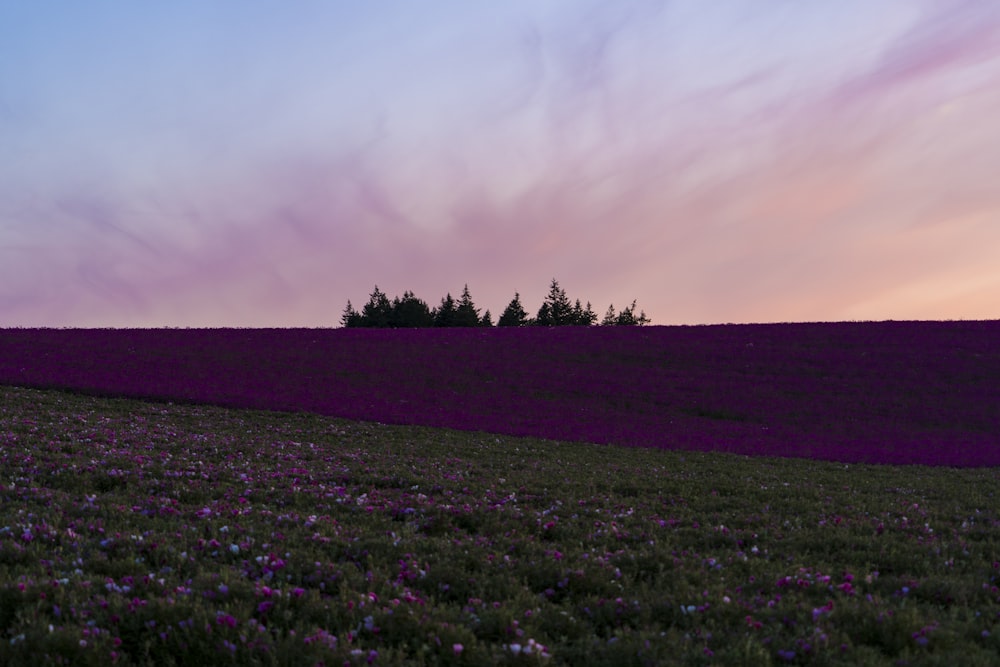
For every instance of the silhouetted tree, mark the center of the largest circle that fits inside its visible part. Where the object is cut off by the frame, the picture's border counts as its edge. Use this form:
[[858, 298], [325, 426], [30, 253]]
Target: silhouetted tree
[[583, 316], [466, 314], [351, 317], [377, 311], [444, 315], [410, 312], [543, 317], [625, 318], [514, 314], [609, 316], [556, 310], [628, 317]]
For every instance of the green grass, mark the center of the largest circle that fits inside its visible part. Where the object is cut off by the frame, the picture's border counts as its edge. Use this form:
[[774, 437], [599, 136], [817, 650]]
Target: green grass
[[139, 533]]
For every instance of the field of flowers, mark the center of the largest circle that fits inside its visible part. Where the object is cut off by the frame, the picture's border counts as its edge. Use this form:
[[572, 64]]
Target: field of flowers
[[879, 392], [139, 533]]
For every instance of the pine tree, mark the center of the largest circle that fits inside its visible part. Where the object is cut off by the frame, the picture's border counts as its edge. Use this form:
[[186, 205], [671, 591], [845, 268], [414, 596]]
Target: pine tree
[[377, 311], [556, 310], [444, 315], [514, 314], [544, 316], [466, 315], [410, 312], [628, 317], [609, 316], [351, 317], [487, 320], [583, 316]]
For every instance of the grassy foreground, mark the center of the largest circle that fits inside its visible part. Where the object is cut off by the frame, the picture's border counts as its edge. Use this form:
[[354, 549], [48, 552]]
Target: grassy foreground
[[140, 533]]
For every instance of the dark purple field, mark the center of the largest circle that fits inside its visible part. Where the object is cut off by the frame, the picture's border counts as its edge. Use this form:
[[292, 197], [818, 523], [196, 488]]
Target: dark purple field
[[880, 392]]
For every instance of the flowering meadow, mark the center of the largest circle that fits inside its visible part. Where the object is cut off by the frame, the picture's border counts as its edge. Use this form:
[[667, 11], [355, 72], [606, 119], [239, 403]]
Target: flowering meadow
[[137, 533], [876, 392]]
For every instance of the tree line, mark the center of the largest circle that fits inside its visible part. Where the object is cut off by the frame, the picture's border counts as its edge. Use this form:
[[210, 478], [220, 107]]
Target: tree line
[[411, 311]]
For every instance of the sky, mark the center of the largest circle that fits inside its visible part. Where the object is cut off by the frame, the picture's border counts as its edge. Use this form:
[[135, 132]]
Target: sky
[[256, 164]]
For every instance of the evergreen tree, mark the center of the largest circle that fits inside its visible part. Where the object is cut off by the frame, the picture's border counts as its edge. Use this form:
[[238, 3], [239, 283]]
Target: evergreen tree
[[514, 314], [377, 311], [466, 315], [583, 316], [556, 310], [410, 312], [628, 317], [544, 316], [351, 317], [610, 318], [445, 314]]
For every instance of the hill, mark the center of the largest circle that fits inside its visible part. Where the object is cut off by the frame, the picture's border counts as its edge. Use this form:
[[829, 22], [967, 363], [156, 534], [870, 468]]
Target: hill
[[880, 392]]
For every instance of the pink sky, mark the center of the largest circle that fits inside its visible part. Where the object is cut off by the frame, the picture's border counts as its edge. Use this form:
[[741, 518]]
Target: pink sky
[[733, 161]]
